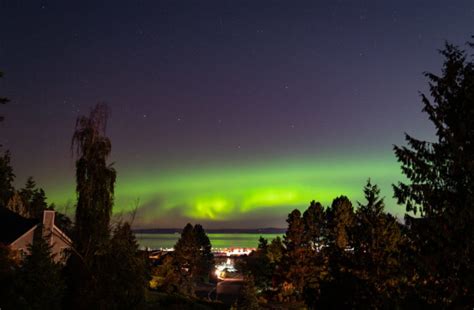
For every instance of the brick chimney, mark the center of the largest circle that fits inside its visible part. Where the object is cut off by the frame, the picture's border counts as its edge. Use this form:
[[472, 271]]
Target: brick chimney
[[48, 224]]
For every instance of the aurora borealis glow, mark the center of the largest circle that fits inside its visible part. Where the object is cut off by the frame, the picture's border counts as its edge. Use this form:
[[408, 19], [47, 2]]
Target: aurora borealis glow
[[249, 193], [227, 113]]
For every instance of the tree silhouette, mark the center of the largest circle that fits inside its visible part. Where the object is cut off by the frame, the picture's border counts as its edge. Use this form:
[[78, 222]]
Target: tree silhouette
[[192, 254], [28, 191], [8, 274], [7, 178], [294, 256], [17, 205], [339, 286], [173, 279], [315, 240], [440, 184], [186, 251], [275, 250], [378, 243], [39, 283], [340, 222], [124, 271], [258, 264], [313, 219], [205, 259], [95, 181], [247, 299], [34, 199]]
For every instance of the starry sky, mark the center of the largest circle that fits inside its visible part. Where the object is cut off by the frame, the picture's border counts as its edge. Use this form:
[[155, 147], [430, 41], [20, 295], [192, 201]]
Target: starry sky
[[227, 113]]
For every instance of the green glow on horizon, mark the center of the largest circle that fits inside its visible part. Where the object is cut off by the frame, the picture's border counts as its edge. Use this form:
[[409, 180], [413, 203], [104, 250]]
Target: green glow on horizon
[[226, 192]]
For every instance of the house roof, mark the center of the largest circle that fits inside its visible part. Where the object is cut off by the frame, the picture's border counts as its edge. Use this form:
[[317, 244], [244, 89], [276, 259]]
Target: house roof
[[13, 225]]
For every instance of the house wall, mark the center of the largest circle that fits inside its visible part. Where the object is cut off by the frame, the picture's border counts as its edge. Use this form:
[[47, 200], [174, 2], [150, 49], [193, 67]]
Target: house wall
[[20, 245], [59, 241], [60, 244]]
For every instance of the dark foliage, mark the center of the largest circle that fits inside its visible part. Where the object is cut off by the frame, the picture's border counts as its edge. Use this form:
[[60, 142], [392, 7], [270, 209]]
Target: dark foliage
[[123, 272], [314, 219], [337, 252], [440, 185], [95, 181], [294, 257], [205, 259], [259, 265], [172, 279], [33, 199], [247, 299], [8, 272], [39, 284], [6, 179], [378, 245], [192, 253]]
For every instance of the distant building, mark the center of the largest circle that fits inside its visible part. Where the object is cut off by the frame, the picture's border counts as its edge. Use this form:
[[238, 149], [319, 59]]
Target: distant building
[[17, 232]]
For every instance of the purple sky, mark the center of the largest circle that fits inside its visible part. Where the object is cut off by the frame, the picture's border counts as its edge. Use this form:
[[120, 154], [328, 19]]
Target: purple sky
[[191, 83]]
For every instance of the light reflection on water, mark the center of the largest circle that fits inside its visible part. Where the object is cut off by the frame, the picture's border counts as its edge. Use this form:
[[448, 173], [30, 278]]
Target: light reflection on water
[[236, 240]]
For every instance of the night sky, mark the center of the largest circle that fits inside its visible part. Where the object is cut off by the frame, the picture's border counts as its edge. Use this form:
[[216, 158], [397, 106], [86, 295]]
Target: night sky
[[226, 113]]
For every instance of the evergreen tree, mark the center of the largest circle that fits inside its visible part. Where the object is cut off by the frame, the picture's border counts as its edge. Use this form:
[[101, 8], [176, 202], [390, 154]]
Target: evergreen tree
[[17, 205], [275, 251], [173, 278], [28, 191], [192, 255], [247, 299], [186, 251], [205, 259], [262, 245], [440, 184], [34, 199], [38, 204], [314, 222], [340, 222], [124, 271], [8, 273], [6, 179], [294, 257], [39, 283], [259, 266], [378, 244], [340, 285], [316, 263]]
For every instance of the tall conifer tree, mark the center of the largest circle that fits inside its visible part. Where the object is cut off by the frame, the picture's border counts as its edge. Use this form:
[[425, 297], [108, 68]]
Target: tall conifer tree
[[205, 260], [294, 257], [377, 251], [440, 186]]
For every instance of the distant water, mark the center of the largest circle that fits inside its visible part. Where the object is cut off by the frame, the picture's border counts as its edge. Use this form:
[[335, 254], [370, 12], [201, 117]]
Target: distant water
[[237, 240]]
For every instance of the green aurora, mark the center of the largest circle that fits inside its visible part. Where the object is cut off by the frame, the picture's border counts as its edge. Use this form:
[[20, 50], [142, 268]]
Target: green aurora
[[232, 195]]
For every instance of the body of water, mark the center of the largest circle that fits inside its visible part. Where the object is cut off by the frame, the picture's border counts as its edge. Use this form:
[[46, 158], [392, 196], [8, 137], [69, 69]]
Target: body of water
[[235, 240]]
